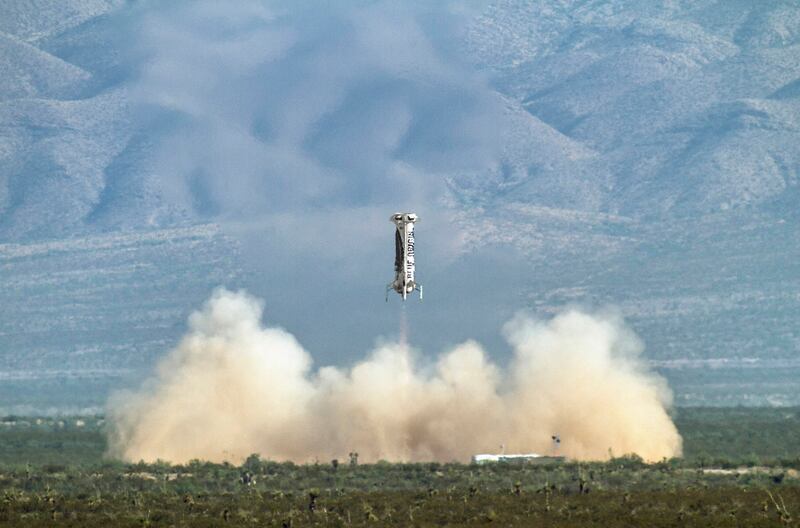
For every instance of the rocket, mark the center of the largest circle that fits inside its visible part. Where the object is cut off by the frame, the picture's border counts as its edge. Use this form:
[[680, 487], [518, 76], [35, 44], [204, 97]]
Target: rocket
[[404, 266]]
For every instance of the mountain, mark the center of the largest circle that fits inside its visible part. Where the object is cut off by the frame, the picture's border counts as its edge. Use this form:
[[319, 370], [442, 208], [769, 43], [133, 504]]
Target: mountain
[[676, 194], [685, 109], [630, 154]]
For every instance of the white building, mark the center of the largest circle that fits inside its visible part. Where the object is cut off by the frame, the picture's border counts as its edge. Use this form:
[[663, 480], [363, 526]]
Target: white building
[[519, 458]]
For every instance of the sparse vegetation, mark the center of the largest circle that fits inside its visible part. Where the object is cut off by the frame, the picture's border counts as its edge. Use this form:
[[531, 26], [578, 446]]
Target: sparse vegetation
[[741, 469]]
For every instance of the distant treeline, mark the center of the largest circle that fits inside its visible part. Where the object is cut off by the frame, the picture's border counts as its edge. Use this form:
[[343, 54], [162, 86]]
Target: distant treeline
[[721, 437], [739, 435]]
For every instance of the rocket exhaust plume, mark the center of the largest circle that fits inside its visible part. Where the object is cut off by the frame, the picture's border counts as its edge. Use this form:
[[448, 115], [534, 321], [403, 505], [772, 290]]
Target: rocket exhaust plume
[[232, 388], [403, 339]]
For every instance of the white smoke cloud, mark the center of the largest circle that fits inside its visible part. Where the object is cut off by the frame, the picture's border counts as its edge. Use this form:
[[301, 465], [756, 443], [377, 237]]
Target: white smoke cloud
[[232, 388], [265, 109]]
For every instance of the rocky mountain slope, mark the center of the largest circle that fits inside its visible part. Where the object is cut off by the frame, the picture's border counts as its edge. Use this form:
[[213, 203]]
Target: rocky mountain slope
[[635, 155]]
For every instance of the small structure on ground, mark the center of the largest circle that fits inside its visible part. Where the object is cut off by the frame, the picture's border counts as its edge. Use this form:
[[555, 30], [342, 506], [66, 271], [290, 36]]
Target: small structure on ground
[[522, 458]]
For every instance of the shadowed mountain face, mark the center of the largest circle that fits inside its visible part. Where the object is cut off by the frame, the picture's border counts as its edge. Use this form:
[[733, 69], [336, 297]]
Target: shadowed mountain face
[[613, 152]]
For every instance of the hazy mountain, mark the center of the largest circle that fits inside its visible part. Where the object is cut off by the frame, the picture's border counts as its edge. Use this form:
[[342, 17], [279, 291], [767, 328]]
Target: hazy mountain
[[637, 155], [677, 191]]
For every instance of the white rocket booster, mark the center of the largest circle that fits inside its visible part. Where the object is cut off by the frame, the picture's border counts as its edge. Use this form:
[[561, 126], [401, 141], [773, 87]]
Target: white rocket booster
[[404, 264]]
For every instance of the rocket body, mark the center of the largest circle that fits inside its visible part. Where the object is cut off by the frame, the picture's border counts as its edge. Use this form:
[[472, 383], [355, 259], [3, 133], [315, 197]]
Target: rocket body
[[404, 260]]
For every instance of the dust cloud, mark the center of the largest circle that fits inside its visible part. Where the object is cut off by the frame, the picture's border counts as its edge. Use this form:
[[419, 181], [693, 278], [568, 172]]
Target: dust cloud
[[232, 388]]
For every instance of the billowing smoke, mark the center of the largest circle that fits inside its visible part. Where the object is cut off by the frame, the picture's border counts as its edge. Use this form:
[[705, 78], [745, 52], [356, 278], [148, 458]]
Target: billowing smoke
[[232, 388]]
